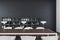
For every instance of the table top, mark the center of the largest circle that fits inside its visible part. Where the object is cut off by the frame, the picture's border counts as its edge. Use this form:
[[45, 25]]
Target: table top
[[26, 32]]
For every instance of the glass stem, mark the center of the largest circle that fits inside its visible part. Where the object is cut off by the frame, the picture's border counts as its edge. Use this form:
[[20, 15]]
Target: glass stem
[[4, 27], [43, 25]]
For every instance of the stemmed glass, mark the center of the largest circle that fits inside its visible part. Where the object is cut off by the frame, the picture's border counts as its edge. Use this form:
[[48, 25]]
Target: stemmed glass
[[23, 22], [4, 22], [43, 22], [13, 21], [13, 24]]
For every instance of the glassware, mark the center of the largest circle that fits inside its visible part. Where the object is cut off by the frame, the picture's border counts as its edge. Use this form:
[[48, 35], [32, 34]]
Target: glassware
[[23, 22], [6, 19], [4, 22], [13, 25], [43, 22]]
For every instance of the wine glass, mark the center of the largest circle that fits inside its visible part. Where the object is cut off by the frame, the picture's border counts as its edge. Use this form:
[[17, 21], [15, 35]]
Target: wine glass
[[43, 22], [4, 22], [8, 19], [23, 22], [13, 24]]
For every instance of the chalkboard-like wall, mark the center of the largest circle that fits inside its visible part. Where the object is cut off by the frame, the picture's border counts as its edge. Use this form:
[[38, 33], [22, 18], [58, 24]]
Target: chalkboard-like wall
[[44, 9]]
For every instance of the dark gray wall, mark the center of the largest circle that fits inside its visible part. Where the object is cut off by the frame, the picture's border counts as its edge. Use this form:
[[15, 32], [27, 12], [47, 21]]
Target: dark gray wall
[[45, 9]]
